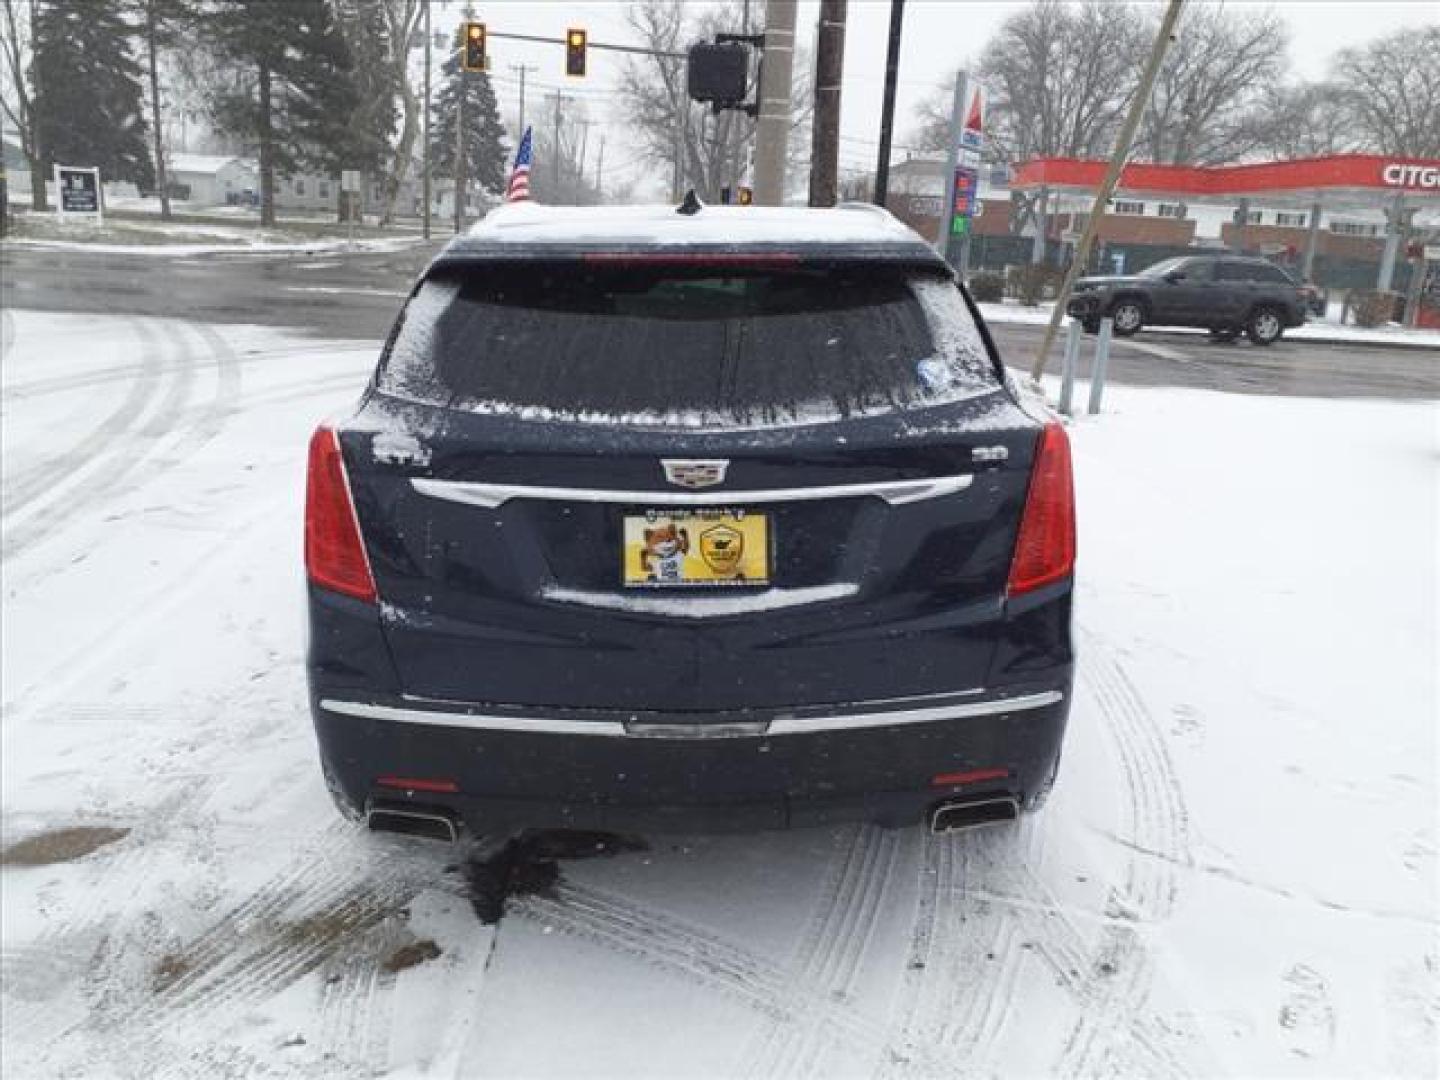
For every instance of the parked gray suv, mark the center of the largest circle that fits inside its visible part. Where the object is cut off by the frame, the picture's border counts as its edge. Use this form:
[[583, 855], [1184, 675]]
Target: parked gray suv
[[1225, 294]]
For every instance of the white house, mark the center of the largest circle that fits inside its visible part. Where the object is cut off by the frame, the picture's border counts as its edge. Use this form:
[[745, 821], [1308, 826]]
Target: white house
[[212, 179]]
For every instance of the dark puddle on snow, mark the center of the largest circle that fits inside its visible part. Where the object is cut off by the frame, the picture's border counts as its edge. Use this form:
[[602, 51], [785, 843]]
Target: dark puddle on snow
[[529, 863], [60, 845]]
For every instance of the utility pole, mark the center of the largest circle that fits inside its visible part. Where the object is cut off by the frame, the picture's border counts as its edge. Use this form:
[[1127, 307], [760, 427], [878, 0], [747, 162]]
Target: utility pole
[[825, 132], [425, 153], [772, 132], [584, 149], [887, 108], [460, 155], [1112, 176], [555, 149], [600, 170], [522, 69]]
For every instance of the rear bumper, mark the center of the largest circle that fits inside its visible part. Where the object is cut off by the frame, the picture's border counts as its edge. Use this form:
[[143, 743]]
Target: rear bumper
[[514, 768]]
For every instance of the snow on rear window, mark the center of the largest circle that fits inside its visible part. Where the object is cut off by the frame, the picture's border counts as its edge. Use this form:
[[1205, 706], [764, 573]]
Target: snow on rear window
[[687, 346]]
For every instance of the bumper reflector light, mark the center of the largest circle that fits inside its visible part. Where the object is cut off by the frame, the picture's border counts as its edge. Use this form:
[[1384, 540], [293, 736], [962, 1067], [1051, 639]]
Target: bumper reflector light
[[412, 783], [972, 776]]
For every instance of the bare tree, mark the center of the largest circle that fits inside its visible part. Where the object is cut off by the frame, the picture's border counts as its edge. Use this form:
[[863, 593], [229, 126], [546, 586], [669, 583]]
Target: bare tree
[[399, 22], [17, 98], [1305, 120], [1208, 103], [702, 149], [1391, 92], [1058, 78]]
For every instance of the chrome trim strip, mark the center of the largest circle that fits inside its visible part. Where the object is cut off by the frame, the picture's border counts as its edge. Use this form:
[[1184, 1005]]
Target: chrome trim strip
[[546, 725], [798, 725], [780, 725], [701, 604], [491, 496]]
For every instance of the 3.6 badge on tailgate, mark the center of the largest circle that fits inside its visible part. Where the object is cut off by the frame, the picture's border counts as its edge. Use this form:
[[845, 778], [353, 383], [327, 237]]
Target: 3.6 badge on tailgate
[[705, 548]]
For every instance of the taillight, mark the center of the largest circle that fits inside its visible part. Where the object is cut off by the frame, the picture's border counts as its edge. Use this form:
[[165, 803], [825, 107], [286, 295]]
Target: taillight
[[334, 553], [1045, 548]]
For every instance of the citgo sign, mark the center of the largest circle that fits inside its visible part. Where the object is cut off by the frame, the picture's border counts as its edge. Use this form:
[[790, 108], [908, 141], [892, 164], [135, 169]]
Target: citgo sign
[[1399, 174]]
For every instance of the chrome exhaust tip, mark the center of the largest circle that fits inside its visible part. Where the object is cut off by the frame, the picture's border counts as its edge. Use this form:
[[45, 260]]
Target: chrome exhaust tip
[[431, 822], [955, 814]]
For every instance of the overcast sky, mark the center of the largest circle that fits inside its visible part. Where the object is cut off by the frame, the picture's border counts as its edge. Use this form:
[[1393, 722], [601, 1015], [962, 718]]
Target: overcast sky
[[940, 35]]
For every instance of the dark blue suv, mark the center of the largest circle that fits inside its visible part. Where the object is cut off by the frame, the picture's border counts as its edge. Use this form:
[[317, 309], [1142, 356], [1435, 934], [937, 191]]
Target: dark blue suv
[[723, 520]]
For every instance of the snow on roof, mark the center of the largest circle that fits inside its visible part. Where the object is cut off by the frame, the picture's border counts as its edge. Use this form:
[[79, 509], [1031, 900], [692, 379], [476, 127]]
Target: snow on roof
[[533, 223], [204, 163]]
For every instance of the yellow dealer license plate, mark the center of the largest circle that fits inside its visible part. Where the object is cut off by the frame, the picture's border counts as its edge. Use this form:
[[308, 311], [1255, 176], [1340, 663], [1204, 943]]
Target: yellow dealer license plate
[[701, 548]]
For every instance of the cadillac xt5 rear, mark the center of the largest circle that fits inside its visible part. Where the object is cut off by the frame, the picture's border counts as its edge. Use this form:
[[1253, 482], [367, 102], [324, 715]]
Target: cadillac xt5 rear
[[652, 521]]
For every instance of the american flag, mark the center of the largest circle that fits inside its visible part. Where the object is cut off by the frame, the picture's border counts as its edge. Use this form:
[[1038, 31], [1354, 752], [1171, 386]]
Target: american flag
[[519, 189]]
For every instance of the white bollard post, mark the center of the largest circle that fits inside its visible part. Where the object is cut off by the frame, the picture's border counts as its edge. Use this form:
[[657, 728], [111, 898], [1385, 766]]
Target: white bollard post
[[1102, 362], [1067, 367]]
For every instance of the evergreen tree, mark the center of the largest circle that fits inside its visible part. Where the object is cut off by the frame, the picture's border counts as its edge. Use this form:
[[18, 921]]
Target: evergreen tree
[[89, 97], [298, 99], [469, 93]]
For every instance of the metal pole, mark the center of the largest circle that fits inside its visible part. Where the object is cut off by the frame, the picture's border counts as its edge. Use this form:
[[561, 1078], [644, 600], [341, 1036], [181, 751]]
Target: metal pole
[[1395, 218], [1414, 292], [1241, 222], [1102, 364], [600, 169], [1067, 367], [425, 154], [1312, 241], [555, 150], [522, 69], [772, 132], [947, 182], [1112, 176], [459, 169], [1037, 246], [887, 108], [825, 131]]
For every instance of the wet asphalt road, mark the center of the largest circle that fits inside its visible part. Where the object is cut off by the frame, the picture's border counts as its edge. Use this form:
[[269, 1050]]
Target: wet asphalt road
[[357, 296]]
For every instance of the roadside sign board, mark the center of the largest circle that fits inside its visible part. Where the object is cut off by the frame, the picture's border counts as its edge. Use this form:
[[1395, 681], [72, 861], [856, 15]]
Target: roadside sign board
[[350, 180], [967, 181], [972, 134], [1432, 252], [78, 191]]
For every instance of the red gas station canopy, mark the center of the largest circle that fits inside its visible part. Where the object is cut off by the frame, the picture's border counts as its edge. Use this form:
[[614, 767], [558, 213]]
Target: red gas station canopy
[[1367, 179]]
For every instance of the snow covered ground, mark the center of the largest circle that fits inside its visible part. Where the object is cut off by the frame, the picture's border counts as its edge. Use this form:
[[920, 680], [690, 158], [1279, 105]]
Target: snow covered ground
[[1235, 876], [1327, 329]]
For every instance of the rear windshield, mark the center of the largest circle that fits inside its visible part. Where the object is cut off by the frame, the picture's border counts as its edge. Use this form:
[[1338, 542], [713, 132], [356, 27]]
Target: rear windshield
[[695, 346]]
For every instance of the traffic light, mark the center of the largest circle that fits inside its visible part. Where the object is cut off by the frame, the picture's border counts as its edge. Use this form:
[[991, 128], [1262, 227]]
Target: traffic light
[[474, 58], [575, 40], [746, 196]]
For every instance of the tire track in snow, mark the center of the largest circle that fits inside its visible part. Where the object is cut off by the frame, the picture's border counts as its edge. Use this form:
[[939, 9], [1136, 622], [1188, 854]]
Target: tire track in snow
[[323, 909], [60, 497], [696, 956], [32, 481], [986, 902], [1116, 981], [58, 384], [829, 958], [964, 956]]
